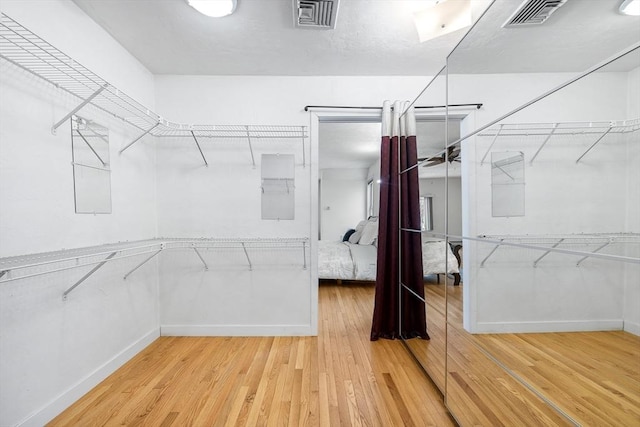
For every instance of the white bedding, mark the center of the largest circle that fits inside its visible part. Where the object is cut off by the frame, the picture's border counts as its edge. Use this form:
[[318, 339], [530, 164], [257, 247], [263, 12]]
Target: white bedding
[[348, 261], [433, 258]]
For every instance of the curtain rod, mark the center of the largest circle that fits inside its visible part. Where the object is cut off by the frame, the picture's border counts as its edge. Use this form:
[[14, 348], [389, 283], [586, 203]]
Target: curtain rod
[[307, 107]]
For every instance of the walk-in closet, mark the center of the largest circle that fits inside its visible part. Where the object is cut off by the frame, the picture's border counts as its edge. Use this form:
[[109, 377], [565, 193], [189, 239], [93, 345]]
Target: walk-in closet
[[160, 230]]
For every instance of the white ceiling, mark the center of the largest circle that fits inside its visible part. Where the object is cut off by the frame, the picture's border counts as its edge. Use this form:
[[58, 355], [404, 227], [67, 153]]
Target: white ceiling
[[372, 37]]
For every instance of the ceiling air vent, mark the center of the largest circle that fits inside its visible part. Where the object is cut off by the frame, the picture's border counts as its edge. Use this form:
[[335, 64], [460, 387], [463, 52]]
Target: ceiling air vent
[[533, 12], [319, 14]]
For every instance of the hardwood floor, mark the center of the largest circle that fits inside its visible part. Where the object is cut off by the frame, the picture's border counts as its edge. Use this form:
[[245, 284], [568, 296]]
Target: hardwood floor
[[337, 378], [593, 377], [342, 378]]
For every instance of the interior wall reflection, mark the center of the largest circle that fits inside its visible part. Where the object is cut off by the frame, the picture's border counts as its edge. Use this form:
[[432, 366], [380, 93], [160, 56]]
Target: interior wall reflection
[[546, 320]]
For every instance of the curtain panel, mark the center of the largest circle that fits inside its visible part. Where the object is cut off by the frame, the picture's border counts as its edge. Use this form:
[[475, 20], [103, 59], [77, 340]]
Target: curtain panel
[[397, 313]]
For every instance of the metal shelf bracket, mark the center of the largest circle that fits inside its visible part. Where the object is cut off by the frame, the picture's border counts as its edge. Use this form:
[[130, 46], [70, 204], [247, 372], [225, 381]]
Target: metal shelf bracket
[[595, 143], [253, 160], [139, 138], [199, 149], [491, 253], [144, 262], [247, 255], [604, 245], [495, 138], [555, 127], [86, 276], [555, 245], [206, 267], [55, 127]]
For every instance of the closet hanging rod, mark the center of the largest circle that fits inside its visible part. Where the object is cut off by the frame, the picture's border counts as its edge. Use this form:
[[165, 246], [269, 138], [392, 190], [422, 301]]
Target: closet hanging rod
[[426, 107]]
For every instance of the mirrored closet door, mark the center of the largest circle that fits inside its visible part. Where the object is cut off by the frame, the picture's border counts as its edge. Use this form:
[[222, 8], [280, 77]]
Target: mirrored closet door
[[544, 329]]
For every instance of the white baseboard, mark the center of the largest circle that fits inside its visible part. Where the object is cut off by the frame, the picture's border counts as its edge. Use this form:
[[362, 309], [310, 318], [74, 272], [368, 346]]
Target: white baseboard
[[549, 326], [632, 327], [68, 397], [235, 330]]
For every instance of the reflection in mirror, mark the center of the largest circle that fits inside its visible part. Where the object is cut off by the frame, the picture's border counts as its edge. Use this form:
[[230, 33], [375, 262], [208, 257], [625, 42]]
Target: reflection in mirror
[[278, 186], [548, 321], [426, 213], [91, 170], [507, 184], [433, 134]]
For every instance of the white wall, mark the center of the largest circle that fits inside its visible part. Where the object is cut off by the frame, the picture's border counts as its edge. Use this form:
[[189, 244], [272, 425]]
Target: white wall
[[343, 195], [562, 197], [435, 187], [53, 352], [223, 200], [632, 271], [36, 181]]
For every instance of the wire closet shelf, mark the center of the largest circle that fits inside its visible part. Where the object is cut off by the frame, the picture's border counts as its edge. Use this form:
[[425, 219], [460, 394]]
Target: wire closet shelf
[[26, 50], [620, 247], [597, 132], [249, 249]]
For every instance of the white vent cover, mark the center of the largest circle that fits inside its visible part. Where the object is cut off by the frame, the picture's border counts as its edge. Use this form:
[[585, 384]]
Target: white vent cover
[[533, 12], [316, 13]]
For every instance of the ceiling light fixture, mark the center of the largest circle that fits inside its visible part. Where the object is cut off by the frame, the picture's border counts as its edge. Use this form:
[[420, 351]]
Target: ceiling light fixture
[[214, 8], [630, 7], [443, 17]]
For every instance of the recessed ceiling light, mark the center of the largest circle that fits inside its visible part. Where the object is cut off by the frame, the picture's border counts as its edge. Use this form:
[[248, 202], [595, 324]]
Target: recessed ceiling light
[[630, 7], [214, 8]]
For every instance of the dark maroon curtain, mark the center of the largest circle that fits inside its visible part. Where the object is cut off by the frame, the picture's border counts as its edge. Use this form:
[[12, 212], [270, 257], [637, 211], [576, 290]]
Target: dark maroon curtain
[[390, 320]]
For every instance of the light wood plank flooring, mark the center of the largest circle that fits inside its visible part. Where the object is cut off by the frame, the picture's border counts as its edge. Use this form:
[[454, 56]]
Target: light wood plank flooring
[[337, 378], [593, 377]]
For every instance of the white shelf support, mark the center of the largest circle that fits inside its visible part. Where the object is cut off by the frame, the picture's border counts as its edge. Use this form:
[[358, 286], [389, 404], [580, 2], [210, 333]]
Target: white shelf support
[[304, 255], [55, 127], [247, 255], [139, 138], [604, 245], [304, 154], [86, 276], [253, 160], [595, 143], [143, 262], [206, 267], [199, 149], [495, 138], [491, 253], [555, 127], [555, 245]]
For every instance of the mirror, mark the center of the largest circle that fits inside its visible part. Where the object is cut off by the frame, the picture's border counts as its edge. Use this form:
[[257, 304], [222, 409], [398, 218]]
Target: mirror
[[91, 168], [432, 133], [546, 320], [278, 186], [507, 184]]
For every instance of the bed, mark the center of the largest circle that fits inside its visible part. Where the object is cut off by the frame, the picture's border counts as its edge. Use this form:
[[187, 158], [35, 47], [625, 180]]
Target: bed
[[356, 257]]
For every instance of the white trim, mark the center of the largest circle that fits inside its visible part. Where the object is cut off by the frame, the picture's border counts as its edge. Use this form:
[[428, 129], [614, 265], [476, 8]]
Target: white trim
[[82, 387], [631, 327], [549, 326], [235, 330]]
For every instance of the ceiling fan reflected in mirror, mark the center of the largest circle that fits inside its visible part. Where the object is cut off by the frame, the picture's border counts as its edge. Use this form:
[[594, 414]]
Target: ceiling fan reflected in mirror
[[453, 154]]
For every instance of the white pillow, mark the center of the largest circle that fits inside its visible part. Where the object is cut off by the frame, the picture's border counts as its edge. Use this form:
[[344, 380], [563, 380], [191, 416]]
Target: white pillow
[[355, 237], [369, 234], [361, 225]]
